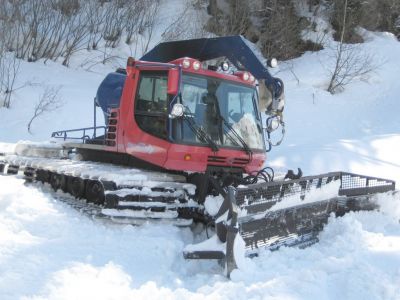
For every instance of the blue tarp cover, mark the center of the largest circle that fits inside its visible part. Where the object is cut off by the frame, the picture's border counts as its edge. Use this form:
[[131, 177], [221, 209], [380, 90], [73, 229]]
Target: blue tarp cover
[[110, 91], [236, 48]]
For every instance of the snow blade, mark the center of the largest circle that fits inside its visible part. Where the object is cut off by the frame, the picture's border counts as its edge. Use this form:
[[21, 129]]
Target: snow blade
[[284, 213]]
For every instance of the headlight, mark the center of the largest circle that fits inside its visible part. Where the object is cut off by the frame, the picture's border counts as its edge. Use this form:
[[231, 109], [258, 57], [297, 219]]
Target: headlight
[[225, 66]]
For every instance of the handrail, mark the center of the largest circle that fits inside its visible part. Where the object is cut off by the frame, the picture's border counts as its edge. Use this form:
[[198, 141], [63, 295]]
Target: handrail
[[63, 134]]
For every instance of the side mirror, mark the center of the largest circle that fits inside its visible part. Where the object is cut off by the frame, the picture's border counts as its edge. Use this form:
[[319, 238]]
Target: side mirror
[[173, 81], [272, 123]]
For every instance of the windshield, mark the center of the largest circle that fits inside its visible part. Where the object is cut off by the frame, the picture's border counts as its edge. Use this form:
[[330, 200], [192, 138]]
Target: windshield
[[220, 108]]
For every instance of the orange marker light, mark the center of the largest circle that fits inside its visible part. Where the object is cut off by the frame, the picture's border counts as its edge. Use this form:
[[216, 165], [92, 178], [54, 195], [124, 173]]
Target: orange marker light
[[187, 157]]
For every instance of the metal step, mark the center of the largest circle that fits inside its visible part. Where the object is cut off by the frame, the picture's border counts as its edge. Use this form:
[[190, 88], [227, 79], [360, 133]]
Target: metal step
[[204, 255]]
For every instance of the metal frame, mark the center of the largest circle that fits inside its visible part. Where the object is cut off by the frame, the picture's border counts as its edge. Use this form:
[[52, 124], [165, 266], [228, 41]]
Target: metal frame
[[298, 225], [64, 134]]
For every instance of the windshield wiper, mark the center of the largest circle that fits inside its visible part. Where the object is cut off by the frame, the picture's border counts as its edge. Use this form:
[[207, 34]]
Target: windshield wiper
[[200, 133], [246, 147]]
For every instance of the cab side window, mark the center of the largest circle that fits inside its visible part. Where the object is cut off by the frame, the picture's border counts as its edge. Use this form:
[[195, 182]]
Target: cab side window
[[151, 103]]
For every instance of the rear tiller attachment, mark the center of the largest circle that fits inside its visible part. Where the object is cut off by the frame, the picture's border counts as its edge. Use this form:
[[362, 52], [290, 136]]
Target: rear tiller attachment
[[283, 213]]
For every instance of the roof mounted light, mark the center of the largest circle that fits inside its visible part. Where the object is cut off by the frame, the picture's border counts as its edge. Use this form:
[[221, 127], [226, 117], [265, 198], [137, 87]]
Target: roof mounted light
[[186, 63], [272, 63], [245, 76], [224, 66], [196, 65], [252, 78]]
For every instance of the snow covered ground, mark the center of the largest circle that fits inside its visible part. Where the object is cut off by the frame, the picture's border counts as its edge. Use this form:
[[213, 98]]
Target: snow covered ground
[[50, 251]]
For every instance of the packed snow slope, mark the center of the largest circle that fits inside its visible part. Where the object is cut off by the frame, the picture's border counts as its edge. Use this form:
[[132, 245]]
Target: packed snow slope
[[50, 251], [357, 130]]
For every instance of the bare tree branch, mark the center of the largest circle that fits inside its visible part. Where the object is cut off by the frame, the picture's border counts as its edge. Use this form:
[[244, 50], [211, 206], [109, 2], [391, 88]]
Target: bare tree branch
[[9, 70], [350, 61], [49, 101]]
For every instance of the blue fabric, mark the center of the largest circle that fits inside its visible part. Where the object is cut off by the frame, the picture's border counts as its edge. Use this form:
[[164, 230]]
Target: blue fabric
[[110, 91], [236, 48]]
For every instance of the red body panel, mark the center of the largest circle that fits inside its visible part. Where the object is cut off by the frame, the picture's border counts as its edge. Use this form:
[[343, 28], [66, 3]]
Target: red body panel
[[134, 141], [201, 156]]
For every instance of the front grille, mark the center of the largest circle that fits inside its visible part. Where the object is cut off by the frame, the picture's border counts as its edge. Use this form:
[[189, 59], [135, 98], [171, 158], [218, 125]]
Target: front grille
[[241, 161], [216, 159], [228, 161]]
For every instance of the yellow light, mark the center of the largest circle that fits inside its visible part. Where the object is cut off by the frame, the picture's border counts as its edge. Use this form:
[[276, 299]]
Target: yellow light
[[187, 157]]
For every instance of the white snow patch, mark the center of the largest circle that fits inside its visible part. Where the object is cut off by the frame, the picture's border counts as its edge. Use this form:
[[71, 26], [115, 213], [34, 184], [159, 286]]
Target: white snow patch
[[139, 214], [211, 244], [389, 204], [7, 148], [121, 175], [239, 251], [212, 204], [327, 191]]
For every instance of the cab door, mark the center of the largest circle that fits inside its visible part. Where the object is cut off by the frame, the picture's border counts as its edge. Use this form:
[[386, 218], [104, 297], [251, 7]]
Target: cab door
[[147, 134]]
